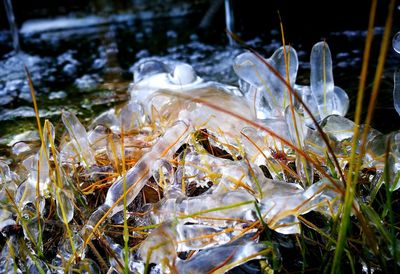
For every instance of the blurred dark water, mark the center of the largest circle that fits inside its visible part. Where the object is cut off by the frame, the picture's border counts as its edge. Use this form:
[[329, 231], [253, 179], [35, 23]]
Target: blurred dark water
[[82, 60]]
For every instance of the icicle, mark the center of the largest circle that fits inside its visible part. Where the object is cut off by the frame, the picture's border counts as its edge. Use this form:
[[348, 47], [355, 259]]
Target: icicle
[[79, 138]]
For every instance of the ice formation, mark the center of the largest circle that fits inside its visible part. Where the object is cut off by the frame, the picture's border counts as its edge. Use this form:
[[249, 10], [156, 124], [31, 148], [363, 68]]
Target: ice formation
[[224, 161]]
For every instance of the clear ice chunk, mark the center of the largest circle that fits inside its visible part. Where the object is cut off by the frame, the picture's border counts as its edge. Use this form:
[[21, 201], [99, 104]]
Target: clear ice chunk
[[38, 164], [26, 193], [268, 94], [396, 91], [6, 218], [340, 131], [8, 255], [34, 230], [394, 161], [68, 247], [148, 68], [223, 257], [131, 116], [178, 77], [107, 119], [283, 202], [330, 99], [36, 266], [79, 138], [321, 78], [183, 74], [236, 204], [309, 100], [65, 204], [198, 236], [160, 245], [339, 101], [396, 42], [5, 174], [138, 175]]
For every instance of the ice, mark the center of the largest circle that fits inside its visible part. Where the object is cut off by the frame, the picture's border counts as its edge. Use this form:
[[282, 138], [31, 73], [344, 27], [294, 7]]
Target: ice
[[87, 82], [131, 116], [5, 174], [35, 266], [48, 25], [118, 259], [209, 151], [138, 175], [396, 42], [321, 78], [198, 236], [107, 119], [26, 193], [339, 101], [6, 218], [20, 150], [163, 173], [223, 257], [375, 151], [160, 246], [298, 132], [8, 257], [33, 230], [257, 151], [283, 202], [297, 126], [78, 136], [57, 95], [38, 166], [148, 68], [311, 103], [177, 77], [281, 64], [304, 169], [225, 174], [237, 204], [65, 204], [330, 99], [269, 93], [340, 131], [98, 138], [396, 91], [39, 163], [393, 160], [68, 247], [183, 74]]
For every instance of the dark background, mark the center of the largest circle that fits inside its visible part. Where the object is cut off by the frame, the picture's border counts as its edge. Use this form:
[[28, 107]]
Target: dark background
[[254, 16]]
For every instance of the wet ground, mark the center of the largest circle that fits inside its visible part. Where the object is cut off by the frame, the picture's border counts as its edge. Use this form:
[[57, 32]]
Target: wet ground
[[86, 67]]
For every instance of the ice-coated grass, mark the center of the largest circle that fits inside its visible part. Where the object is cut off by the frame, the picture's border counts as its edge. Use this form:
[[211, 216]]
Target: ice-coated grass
[[243, 215]]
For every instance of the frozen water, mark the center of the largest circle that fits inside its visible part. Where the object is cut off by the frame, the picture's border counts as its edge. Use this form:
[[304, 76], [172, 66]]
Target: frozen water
[[232, 254], [268, 91], [65, 204], [321, 79], [79, 138], [396, 42], [8, 256], [396, 91], [138, 175], [210, 167]]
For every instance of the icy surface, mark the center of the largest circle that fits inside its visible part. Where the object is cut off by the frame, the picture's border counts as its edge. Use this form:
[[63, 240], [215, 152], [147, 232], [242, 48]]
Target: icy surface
[[204, 166]]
